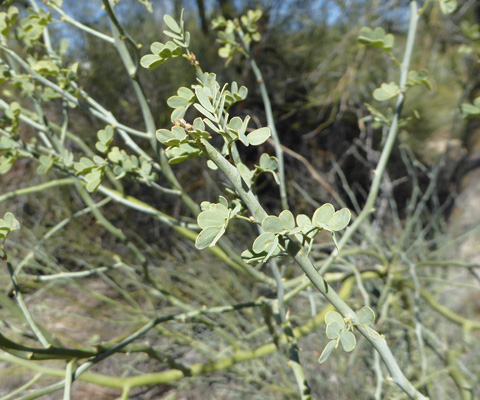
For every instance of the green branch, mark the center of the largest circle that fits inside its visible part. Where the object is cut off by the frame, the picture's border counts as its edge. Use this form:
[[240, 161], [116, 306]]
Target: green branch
[[298, 254], [169, 376], [379, 171]]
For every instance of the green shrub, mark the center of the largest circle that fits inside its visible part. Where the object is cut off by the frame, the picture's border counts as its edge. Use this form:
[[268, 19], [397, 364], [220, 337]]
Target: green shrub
[[124, 269]]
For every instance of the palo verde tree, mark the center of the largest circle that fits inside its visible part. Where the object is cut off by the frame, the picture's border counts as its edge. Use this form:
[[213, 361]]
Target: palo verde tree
[[237, 289]]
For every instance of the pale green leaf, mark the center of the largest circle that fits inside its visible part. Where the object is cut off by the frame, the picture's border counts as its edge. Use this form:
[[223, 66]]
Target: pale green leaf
[[204, 100], [448, 6], [208, 219], [287, 219], [171, 23], [303, 220], [348, 341], [340, 220], [272, 224], [178, 113], [204, 112], [177, 101], [322, 215], [268, 162], [258, 136], [333, 316], [198, 124], [331, 345], [366, 316], [106, 135], [10, 221], [151, 61], [264, 242], [206, 237], [333, 330], [185, 93], [386, 91]]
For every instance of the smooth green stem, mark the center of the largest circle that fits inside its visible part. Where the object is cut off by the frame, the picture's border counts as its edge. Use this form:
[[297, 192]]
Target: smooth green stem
[[125, 392], [463, 385], [37, 188], [379, 171], [35, 394], [467, 324], [22, 388], [379, 376], [273, 129], [67, 394], [172, 375], [21, 303], [270, 119], [120, 36], [418, 321], [73, 275], [116, 232], [74, 22]]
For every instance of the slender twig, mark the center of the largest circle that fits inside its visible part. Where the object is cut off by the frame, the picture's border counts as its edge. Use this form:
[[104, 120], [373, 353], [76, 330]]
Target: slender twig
[[21, 303], [270, 119], [68, 380], [368, 208], [22, 388], [131, 67], [79, 25], [175, 374]]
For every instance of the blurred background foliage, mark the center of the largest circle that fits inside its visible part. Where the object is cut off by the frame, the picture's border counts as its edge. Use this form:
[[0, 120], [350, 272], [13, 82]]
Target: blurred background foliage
[[317, 75], [319, 79]]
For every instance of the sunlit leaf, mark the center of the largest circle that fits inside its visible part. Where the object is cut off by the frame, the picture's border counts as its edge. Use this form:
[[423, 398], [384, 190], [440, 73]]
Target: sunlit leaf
[[206, 237], [333, 316], [366, 316], [171, 23], [339, 220], [264, 242], [348, 341], [208, 219], [386, 91], [327, 351], [448, 6], [322, 215], [258, 136], [204, 100], [333, 330]]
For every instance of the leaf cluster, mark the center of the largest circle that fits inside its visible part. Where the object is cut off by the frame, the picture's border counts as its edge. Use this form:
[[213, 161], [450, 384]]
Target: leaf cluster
[[162, 52], [302, 228], [340, 330]]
